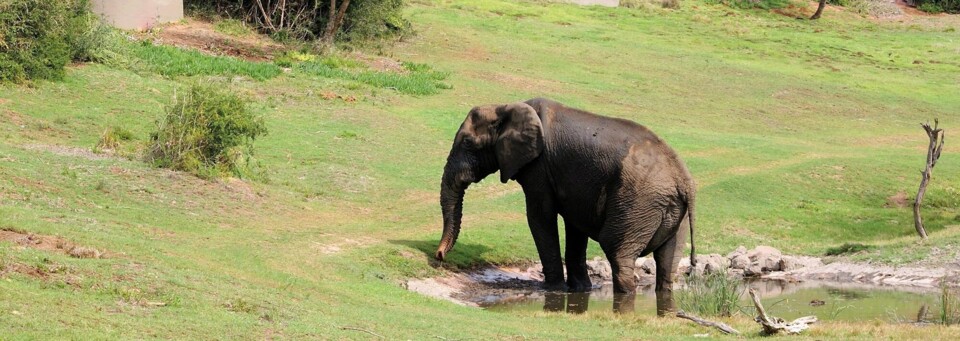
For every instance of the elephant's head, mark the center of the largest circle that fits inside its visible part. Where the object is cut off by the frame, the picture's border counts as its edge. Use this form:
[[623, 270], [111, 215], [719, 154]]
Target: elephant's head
[[491, 138]]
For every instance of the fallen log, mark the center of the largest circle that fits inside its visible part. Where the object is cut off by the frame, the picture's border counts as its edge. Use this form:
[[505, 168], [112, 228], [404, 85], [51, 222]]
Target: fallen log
[[773, 325], [723, 327]]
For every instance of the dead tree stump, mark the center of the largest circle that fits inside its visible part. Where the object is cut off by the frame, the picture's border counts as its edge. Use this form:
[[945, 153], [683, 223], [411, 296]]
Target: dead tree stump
[[935, 135], [773, 325]]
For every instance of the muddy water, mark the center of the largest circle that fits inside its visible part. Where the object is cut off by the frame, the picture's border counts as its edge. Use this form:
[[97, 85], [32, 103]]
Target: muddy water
[[828, 301]]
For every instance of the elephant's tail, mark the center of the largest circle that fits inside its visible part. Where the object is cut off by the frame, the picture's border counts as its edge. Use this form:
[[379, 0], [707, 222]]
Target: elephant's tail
[[690, 197]]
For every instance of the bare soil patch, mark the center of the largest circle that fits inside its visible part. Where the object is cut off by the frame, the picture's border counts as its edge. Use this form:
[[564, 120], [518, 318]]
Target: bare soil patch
[[49, 243], [202, 36], [898, 200]]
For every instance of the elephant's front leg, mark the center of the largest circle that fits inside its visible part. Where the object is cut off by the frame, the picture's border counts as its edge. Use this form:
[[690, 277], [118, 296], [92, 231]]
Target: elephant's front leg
[[576, 258], [542, 218]]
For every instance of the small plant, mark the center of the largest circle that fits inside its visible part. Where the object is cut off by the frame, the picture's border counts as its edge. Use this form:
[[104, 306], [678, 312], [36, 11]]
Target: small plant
[[711, 294], [208, 132], [847, 248], [111, 139], [38, 38]]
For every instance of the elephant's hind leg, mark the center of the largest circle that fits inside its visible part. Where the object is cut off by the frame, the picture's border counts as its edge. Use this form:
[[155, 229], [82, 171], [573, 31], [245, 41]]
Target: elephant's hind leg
[[667, 257]]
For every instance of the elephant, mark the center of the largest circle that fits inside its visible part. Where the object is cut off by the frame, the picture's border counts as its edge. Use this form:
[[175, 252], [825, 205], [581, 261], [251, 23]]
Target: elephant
[[612, 180]]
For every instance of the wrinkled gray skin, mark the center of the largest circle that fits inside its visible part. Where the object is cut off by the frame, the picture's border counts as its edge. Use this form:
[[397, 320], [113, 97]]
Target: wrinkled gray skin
[[611, 180]]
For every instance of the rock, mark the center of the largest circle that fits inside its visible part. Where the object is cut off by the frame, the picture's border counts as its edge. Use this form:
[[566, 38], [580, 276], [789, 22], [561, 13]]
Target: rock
[[599, 268], [740, 261], [766, 257], [753, 270], [647, 265], [739, 251], [789, 263]]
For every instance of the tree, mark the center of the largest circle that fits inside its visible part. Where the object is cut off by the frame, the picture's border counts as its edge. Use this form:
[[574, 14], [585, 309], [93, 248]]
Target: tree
[[933, 154], [335, 20], [823, 3]]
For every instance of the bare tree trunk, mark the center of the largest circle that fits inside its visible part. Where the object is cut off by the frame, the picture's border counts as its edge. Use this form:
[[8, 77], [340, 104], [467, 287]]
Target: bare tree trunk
[[773, 325], [334, 20], [823, 3], [933, 154], [723, 327]]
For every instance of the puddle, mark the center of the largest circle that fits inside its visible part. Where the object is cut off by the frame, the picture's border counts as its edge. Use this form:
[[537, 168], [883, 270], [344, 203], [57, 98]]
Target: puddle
[[788, 300]]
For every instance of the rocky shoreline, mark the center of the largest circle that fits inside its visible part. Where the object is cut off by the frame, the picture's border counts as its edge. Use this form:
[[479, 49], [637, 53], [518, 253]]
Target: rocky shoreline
[[762, 262]]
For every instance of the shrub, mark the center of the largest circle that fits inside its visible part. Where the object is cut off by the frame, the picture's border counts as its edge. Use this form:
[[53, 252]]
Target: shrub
[[38, 37], [208, 132], [112, 138], [938, 6], [949, 310], [711, 294], [847, 248], [930, 7], [306, 19]]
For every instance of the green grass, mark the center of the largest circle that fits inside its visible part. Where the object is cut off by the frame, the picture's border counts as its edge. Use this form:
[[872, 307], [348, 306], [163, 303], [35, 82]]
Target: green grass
[[173, 62], [796, 131], [418, 79]]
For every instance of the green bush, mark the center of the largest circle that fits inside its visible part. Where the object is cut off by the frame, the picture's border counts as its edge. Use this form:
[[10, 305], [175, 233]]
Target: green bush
[[711, 294], [930, 7], [938, 6], [208, 132], [39, 37]]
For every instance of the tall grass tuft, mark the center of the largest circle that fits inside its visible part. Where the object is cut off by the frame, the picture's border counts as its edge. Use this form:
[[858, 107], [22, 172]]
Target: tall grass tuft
[[711, 294], [949, 312], [208, 132]]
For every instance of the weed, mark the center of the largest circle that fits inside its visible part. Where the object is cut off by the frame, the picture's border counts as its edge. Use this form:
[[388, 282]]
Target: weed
[[101, 186], [232, 27], [711, 294], [847, 248], [208, 132]]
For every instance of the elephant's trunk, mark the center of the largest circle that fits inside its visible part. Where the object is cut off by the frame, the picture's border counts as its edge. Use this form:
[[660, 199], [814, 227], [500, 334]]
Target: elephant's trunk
[[451, 204]]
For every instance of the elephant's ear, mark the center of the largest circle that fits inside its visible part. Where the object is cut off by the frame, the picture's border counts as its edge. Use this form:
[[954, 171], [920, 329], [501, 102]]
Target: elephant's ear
[[520, 139]]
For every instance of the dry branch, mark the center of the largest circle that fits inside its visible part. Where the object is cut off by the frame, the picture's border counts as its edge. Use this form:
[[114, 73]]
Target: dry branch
[[723, 327], [362, 330], [933, 154], [773, 325]]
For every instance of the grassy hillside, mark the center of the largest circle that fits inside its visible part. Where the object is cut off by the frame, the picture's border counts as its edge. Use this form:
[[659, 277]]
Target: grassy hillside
[[798, 132]]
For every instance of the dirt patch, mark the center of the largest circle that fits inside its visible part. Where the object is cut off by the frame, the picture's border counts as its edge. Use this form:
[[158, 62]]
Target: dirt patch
[[200, 35], [67, 151], [380, 63], [898, 200], [49, 243]]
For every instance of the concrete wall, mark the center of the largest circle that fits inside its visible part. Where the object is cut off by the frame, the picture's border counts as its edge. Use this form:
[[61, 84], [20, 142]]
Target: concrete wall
[[138, 14]]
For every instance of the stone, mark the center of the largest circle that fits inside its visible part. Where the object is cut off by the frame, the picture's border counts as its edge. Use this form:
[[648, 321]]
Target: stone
[[766, 257], [789, 263], [740, 262]]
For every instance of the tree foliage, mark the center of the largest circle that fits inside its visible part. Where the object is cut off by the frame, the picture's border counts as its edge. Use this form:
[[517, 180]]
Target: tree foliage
[[324, 20]]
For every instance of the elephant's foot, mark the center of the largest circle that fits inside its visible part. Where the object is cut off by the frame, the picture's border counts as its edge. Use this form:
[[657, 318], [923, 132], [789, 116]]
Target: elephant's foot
[[624, 302], [554, 286], [665, 303], [579, 285]]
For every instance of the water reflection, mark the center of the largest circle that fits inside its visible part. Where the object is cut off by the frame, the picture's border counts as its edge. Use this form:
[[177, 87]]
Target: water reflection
[[828, 301]]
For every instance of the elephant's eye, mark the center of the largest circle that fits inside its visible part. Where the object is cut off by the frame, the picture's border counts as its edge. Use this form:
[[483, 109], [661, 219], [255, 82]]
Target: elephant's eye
[[468, 143]]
